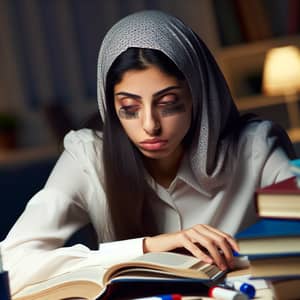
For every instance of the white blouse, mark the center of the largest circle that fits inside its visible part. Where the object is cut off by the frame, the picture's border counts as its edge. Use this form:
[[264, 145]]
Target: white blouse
[[74, 196]]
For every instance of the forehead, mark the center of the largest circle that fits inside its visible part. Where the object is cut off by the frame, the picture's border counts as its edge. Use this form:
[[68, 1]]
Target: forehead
[[151, 76]]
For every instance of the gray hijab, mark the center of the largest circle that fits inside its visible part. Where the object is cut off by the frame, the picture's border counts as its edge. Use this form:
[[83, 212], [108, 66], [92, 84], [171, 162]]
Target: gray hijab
[[212, 154]]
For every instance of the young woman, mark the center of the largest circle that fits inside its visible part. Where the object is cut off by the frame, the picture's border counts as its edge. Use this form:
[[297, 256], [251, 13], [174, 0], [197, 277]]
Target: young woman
[[174, 167]]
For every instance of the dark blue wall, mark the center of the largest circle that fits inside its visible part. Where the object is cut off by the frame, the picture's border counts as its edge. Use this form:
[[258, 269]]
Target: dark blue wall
[[18, 183]]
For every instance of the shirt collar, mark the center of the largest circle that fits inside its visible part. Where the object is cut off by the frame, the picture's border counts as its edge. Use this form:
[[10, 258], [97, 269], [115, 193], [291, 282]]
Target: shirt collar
[[185, 174]]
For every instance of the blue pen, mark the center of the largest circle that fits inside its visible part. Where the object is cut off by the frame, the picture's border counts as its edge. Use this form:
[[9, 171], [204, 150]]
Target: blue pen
[[243, 287], [162, 297]]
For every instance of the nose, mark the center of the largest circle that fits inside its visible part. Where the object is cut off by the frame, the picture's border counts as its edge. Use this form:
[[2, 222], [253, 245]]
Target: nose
[[151, 122]]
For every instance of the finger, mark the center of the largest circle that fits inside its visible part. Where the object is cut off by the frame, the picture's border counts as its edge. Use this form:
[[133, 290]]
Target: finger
[[196, 236], [226, 250], [214, 252], [229, 238], [218, 246], [187, 243]]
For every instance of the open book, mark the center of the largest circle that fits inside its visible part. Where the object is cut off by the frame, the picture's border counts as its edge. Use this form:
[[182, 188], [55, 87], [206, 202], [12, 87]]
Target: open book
[[160, 272]]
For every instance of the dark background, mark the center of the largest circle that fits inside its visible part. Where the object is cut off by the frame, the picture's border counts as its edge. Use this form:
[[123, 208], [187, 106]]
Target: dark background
[[48, 57]]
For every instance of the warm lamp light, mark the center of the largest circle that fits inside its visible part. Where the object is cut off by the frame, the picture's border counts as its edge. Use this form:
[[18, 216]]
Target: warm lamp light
[[282, 71], [281, 76]]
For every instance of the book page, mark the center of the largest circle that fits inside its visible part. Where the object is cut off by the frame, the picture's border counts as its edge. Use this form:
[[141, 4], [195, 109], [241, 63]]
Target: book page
[[91, 274], [167, 263], [189, 265], [169, 259], [143, 273]]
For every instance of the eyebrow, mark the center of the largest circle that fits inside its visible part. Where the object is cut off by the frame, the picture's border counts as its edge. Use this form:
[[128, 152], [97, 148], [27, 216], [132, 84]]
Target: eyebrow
[[155, 95]]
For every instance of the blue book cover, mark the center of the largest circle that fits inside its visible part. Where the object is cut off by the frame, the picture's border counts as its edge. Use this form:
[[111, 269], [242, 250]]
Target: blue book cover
[[270, 237], [269, 228]]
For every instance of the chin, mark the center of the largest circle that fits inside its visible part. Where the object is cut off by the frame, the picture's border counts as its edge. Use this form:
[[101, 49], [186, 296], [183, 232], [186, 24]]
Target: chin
[[155, 154]]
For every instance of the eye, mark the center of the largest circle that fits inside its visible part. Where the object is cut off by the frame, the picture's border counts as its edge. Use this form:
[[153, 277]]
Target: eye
[[168, 100], [129, 108], [170, 105], [128, 111]]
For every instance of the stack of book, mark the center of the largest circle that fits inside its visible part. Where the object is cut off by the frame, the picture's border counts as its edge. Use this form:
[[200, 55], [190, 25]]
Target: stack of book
[[273, 243]]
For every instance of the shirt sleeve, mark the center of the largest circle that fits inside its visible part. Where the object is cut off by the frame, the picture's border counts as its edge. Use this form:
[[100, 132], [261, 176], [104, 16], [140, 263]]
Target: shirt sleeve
[[35, 244], [276, 168]]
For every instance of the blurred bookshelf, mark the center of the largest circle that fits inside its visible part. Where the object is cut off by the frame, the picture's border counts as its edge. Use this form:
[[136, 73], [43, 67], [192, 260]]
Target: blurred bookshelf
[[247, 30], [28, 154], [52, 45], [242, 64]]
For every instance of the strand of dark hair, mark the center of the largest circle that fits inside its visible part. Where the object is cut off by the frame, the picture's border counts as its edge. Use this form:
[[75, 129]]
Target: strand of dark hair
[[123, 181]]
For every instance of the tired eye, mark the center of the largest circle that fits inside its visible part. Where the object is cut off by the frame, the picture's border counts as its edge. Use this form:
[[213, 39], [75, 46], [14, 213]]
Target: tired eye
[[168, 100], [170, 106], [167, 103], [129, 111]]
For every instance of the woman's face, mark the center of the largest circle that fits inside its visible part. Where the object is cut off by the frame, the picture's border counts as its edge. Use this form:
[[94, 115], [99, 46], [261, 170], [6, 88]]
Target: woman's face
[[155, 111]]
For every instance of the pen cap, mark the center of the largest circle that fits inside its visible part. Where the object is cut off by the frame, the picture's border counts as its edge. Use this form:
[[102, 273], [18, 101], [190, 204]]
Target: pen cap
[[4, 286], [245, 288]]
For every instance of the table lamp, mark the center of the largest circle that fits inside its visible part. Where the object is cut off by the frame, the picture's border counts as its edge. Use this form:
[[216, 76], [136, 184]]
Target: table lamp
[[281, 76]]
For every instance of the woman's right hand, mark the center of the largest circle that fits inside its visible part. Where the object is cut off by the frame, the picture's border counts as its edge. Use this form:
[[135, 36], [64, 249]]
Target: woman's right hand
[[202, 241]]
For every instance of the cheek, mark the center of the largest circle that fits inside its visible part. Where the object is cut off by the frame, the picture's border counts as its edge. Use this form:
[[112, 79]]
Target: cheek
[[130, 126], [177, 124]]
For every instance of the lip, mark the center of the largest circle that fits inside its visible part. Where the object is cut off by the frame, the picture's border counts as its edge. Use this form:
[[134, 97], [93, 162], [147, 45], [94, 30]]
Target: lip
[[153, 144]]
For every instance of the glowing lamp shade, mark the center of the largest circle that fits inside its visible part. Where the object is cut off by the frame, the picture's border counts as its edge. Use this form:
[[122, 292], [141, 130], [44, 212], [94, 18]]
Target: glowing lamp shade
[[281, 74]]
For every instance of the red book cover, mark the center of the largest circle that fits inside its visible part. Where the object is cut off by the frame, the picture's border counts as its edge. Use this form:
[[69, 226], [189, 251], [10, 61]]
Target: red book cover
[[279, 200], [287, 186]]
